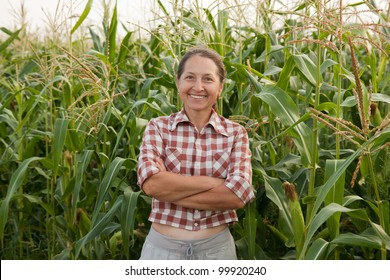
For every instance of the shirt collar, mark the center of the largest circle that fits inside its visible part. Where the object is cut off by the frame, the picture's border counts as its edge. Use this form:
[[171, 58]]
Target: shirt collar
[[215, 121]]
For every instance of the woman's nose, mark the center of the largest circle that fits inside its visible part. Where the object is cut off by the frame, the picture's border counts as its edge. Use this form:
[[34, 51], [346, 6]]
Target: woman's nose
[[198, 86]]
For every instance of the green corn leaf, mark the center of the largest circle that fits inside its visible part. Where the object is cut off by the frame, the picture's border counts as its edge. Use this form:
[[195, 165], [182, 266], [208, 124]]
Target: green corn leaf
[[15, 183], [335, 194], [322, 216], [369, 240], [112, 35], [8, 118], [272, 70], [60, 129], [148, 104], [163, 9], [350, 199], [122, 132], [106, 183], [81, 167], [124, 48], [250, 229], [318, 250], [99, 227], [99, 55], [128, 211], [8, 42], [384, 212], [38, 200], [275, 193], [326, 64], [210, 18], [97, 44], [37, 99], [254, 81], [321, 196], [377, 97], [193, 23], [282, 105], [83, 16], [147, 84], [285, 108], [308, 68], [385, 238]]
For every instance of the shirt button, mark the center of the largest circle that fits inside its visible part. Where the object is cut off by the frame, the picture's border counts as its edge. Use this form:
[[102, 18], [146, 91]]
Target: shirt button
[[196, 215]]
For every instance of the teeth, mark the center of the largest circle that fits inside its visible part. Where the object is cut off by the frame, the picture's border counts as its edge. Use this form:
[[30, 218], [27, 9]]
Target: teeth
[[197, 96]]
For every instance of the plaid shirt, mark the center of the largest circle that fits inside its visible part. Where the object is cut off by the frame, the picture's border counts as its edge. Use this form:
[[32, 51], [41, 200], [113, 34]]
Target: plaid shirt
[[220, 149]]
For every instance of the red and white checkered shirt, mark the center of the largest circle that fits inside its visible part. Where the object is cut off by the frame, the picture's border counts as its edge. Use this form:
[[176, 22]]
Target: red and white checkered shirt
[[220, 149]]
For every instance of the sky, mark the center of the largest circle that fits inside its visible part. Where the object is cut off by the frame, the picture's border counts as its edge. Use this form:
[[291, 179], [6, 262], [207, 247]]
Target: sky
[[131, 13], [40, 12]]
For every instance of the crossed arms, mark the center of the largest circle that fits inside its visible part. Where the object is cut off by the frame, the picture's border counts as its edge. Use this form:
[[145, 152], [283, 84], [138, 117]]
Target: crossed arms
[[197, 192]]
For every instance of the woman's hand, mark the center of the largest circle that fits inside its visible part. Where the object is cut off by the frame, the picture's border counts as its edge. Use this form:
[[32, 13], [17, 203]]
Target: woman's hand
[[160, 165]]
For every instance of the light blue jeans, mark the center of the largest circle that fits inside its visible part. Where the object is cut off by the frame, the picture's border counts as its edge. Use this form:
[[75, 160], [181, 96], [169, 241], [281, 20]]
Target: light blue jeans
[[217, 247]]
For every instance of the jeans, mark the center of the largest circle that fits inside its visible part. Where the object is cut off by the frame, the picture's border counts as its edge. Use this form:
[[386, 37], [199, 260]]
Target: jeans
[[217, 247]]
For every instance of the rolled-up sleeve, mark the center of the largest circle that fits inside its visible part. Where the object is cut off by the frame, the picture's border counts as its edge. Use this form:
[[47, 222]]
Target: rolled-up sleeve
[[150, 150], [239, 178]]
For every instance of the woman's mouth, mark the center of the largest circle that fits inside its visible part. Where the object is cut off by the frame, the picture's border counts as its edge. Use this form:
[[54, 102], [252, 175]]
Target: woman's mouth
[[197, 96]]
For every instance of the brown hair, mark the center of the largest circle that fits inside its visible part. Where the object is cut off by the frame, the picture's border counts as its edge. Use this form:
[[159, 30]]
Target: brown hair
[[207, 53]]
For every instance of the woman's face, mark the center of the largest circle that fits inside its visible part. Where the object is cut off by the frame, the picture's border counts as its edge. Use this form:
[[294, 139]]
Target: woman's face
[[199, 86]]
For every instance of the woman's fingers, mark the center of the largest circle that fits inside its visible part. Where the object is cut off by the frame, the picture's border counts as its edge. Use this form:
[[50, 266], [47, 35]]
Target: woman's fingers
[[160, 164]]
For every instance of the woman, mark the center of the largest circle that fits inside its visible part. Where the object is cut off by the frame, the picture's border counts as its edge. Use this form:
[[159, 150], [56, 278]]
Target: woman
[[196, 165]]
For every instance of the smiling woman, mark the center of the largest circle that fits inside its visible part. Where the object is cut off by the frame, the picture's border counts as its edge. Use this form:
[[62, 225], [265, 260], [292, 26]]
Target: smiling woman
[[196, 165], [200, 81]]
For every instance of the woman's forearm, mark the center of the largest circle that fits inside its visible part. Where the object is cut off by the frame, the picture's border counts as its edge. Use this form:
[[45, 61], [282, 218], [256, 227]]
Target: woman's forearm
[[196, 192], [171, 187], [218, 198]]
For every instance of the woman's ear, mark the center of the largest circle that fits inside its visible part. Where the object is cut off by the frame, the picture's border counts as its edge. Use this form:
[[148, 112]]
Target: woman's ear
[[221, 89], [177, 82]]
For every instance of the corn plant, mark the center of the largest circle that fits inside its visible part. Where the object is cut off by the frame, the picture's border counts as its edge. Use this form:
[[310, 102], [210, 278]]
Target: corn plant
[[306, 141], [310, 85]]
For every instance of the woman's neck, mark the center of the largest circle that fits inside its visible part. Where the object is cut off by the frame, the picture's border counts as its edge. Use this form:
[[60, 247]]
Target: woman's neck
[[198, 118]]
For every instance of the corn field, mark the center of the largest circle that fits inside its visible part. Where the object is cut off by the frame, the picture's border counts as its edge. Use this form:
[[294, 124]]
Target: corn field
[[310, 81]]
